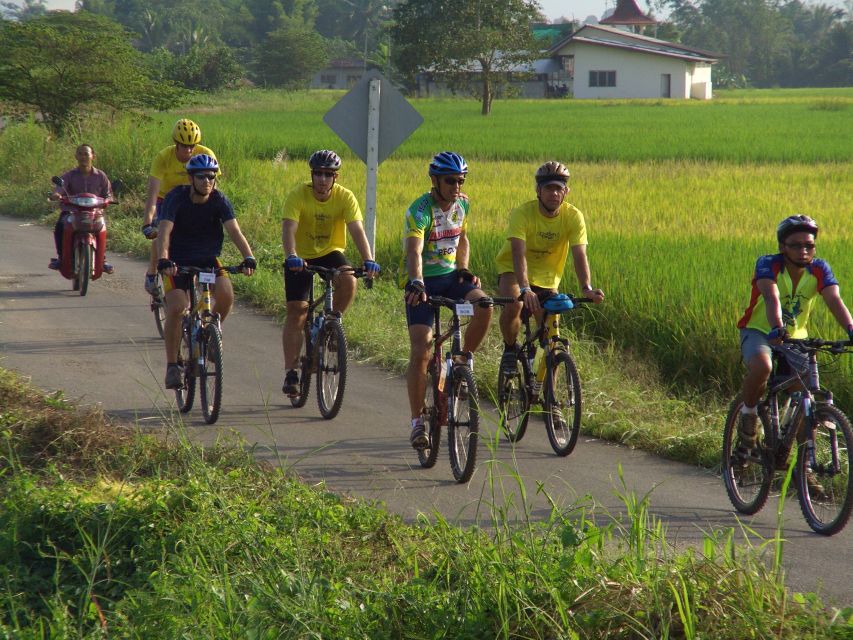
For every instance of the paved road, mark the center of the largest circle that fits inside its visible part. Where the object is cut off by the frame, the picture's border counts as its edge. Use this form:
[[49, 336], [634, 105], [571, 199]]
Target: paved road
[[102, 349]]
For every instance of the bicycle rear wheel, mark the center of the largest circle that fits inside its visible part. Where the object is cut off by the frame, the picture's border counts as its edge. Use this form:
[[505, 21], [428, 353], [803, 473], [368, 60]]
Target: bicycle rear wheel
[[184, 397], [305, 366], [562, 403], [158, 306], [747, 481], [331, 368], [211, 374], [825, 490], [513, 401], [463, 423], [431, 416]]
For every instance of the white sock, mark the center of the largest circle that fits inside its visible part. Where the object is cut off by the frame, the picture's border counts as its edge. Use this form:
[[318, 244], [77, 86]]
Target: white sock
[[415, 422], [749, 410]]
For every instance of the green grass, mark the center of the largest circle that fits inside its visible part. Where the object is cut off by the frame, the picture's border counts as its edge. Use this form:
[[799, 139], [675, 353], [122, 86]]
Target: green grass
[[137, 538], [680, 198]]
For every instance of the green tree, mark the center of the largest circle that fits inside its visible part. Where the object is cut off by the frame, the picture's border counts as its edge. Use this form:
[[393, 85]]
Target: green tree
[[455, 39], [63, 62], [290, 56]]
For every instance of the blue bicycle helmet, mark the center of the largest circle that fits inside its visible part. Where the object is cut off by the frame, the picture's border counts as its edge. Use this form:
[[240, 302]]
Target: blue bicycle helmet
[[558, 303], [793, 224], [448, 163], [202, 162]]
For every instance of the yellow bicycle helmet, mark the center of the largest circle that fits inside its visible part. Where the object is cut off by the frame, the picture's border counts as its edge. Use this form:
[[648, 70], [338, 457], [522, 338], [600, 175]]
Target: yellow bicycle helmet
[[186, 132]]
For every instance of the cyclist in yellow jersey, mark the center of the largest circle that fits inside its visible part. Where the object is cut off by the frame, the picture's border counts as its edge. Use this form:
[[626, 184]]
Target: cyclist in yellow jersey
[[530, 265], [784, 288], [317, 217], [168, 170]]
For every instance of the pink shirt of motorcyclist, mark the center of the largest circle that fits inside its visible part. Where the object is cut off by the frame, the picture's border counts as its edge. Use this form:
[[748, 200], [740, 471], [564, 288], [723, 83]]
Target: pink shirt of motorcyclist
[[95, 182]]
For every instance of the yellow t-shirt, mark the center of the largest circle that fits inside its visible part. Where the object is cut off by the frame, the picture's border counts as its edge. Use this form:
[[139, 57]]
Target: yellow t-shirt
[[170, 171], [322, 225], [547, 241]]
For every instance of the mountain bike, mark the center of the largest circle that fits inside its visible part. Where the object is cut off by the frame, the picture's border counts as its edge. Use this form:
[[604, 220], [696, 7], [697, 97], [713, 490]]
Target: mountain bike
[[795, 408], [324, 345], [451, 396], [158, 305], [545, 374], [200, 352]]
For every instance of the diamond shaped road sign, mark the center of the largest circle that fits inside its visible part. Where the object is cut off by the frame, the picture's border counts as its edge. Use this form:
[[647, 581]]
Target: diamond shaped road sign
[[397, 118]]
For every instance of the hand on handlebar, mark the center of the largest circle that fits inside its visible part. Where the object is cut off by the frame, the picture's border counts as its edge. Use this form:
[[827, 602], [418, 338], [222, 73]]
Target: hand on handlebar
[[249, 265], [777, 335], [149, 231], [371, 268], [415, 292], [464, 275], [167, 267], [530, 300], [294, 263], [596, 295]]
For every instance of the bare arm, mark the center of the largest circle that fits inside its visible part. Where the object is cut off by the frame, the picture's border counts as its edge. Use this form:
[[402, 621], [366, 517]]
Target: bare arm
[[832, 296], [463, 250], [519, 266], [288, 236], [151, 199], [414, 266], [162, 243], [239, 240], [359, 237], [772, 306], [582, 272]]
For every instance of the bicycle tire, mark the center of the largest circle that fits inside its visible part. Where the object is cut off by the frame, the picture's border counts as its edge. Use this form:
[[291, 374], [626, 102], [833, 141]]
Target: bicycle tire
[[827, 509], [85, 255], [431, 417], [747, 486], [210, 374], [463, 423], [331, 368], [184, 397], [514, 400], [305, 366], [562, 403], [158, 307]]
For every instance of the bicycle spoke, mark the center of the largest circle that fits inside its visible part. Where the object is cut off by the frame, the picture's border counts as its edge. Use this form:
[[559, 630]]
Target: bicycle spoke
[[747, 481], [463, 423]]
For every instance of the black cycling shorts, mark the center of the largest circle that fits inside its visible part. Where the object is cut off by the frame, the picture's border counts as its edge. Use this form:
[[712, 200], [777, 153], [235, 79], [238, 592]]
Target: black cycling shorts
[[297, 284]]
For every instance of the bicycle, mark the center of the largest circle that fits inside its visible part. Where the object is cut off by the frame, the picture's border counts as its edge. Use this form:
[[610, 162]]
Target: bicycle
[[324, 345], [158, 305], [200, 352], [451, 396], [795, 407], [544, 366]]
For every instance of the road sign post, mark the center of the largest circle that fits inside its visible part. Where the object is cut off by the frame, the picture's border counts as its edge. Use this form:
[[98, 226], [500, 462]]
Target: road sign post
[[373, 119]]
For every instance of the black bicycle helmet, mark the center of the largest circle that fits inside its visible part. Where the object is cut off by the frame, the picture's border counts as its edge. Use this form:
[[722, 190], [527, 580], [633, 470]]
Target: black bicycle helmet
[[325, 159], [793, 224]]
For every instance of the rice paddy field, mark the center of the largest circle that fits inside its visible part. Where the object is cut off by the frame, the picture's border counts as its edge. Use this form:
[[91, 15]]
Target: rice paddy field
[[680, 198]]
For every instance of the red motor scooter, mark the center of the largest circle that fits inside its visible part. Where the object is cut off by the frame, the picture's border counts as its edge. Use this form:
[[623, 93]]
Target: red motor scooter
[[84, 237]]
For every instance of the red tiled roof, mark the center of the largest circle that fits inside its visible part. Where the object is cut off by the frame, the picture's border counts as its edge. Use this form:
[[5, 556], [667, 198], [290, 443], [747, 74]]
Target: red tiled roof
[[627, 12]]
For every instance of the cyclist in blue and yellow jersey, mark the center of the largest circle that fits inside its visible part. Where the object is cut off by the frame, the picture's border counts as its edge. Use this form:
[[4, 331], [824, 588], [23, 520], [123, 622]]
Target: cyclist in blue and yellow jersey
[[168, 170], [317, 217], [436, 262], [784, 288], [530, 265], [193, 221]]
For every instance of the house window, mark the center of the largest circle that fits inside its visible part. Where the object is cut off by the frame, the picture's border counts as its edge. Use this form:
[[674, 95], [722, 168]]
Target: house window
[[568, 64], [602, 78], [328, 79]]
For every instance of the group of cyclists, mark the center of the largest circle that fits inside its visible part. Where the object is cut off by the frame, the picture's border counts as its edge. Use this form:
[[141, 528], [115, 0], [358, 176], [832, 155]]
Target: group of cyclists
[[187, 217]]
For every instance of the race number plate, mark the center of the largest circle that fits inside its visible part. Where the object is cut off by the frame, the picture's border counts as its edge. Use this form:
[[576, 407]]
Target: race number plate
[[466, 309], [207, 277]]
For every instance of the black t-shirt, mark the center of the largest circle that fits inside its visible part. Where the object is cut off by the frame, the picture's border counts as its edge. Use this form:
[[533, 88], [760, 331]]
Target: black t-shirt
[[197, 236]]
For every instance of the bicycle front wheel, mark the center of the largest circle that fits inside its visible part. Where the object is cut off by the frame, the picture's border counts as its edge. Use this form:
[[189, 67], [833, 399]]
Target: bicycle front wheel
[[431, 416], [331, 368], [747, 481], [158, 306], [824, 485], [562, 403], [305, 367], [513, 401], [211, 374], [184, 397], [463, 423]]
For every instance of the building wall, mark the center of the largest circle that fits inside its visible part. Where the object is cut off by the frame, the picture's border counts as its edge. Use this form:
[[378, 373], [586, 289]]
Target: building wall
[[638, 75], [336, 78]]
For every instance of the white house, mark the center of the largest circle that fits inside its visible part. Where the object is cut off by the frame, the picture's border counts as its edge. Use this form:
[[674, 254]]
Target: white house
[[605, 62]]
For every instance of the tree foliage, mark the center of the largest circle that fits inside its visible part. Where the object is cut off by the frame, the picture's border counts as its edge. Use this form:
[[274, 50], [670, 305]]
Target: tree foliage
[[491, 37], [289, 57], [63, 62]]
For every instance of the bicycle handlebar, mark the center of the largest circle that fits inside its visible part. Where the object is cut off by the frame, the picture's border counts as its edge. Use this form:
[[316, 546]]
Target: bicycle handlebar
[[237, 268], [816, 344], [327, 273], [450, 303]]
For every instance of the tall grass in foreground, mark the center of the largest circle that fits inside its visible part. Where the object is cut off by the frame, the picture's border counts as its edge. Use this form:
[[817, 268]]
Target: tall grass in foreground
[[141, 540]]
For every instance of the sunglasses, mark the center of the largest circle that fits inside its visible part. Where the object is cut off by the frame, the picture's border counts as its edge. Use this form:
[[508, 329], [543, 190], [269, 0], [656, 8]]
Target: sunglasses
[[799, 246], [188, 147], [452, 181], [210, 177], [324, 174]]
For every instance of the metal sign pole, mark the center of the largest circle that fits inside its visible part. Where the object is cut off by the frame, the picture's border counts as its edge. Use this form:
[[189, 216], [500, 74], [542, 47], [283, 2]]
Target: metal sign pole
[[372, 161]]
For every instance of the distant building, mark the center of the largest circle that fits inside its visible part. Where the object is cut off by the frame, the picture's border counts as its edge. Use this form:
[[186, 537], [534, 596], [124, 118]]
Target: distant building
[[342, 73]]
